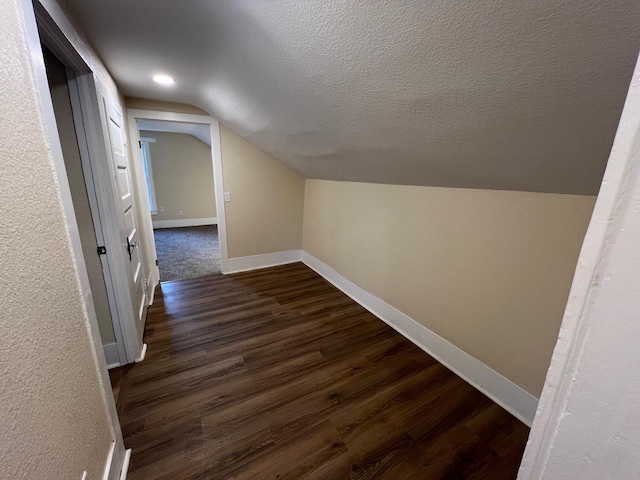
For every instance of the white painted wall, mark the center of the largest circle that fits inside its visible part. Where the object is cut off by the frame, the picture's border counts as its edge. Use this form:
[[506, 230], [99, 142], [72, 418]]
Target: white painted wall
[[588, 420]]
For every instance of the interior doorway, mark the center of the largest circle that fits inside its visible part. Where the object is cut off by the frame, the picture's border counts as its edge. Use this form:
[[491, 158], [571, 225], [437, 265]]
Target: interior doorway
[[80, 193], [94, 170], [180, 186]]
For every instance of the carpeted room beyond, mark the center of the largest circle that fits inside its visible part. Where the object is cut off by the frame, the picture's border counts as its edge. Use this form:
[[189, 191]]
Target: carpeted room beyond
[[187, 252]]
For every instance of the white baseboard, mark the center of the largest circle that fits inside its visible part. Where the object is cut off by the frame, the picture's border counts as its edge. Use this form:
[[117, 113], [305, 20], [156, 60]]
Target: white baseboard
[[109, 468], [125, 464], [501, 390], [114, 471], [185, 222], [111, 355], [254, 262], [143, 353], [152, 290]]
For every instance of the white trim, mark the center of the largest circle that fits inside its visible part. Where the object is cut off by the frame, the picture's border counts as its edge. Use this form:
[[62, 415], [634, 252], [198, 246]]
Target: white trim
[[117, 472], [109, 465], [185, 222], [153, 283], [149, 179], [148, 139], [125, 465], [128, 319], [111, 355], [79, 87], [152, 293], [143, 353], [254, 262], [218, 180], [216, 158], [501, 390]]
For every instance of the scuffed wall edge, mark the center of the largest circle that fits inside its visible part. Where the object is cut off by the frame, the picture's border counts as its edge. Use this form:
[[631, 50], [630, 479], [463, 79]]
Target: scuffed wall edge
[[501, 390]]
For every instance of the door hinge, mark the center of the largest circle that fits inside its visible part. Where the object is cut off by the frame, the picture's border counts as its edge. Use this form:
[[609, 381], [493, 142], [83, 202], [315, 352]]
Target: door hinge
[[139, 143], [156, 262], [102, 250]]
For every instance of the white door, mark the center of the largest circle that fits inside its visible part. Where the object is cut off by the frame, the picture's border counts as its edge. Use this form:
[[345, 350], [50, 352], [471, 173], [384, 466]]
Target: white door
[[126, 209]]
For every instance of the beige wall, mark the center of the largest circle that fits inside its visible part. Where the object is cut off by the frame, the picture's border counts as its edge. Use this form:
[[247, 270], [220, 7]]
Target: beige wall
[[53, 419], [266, 208], [183, 176], [490, 271], [265, 212]]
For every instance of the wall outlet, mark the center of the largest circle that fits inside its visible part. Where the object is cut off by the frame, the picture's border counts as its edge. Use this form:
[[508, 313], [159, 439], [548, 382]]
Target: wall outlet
[[180, 212], [162, 209], [227, 196]]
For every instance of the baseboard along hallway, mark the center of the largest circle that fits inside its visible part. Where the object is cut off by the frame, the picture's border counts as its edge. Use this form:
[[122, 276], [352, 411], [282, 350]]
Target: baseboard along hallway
[[275, 373]]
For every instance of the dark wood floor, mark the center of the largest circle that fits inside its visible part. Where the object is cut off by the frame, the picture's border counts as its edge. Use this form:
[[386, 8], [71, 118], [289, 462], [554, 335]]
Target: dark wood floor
[[275, 374]]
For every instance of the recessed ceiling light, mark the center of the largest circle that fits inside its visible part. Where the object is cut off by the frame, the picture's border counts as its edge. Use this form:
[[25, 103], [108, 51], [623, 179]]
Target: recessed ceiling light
[[163, 79]]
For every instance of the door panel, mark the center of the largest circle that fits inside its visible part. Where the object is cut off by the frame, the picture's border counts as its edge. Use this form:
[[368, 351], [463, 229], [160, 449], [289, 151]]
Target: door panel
[[126, 209], [123, 184]]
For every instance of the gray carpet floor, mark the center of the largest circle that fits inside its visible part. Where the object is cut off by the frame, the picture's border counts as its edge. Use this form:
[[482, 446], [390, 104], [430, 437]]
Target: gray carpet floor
[[187, 252]]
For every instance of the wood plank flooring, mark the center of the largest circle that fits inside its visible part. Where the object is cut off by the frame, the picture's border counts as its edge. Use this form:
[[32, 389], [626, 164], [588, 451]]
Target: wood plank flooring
[[275, 374]]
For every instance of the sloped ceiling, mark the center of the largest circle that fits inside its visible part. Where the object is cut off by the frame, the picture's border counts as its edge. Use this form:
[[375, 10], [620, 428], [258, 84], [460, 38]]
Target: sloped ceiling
[[499, 94]]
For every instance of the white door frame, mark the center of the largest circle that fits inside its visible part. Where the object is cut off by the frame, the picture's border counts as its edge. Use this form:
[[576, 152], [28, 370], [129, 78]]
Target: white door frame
[[85, 89], [115, 238], [79, 85], [45, 30], [216, 157]]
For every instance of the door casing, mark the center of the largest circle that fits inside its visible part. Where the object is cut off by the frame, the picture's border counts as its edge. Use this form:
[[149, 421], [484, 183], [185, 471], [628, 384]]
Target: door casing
[[216, 157], [88, 96]]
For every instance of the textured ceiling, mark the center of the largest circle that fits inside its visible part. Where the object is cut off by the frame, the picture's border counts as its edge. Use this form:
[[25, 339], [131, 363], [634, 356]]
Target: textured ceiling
[[500, 94]]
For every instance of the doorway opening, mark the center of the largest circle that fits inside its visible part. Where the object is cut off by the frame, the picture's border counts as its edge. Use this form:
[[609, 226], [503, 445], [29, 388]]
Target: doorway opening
[[180, 184], [120, 311], [82, 194]]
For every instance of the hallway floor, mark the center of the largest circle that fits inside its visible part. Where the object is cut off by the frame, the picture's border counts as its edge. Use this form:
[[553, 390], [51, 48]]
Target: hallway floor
[[276, 374], [187, 252]]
